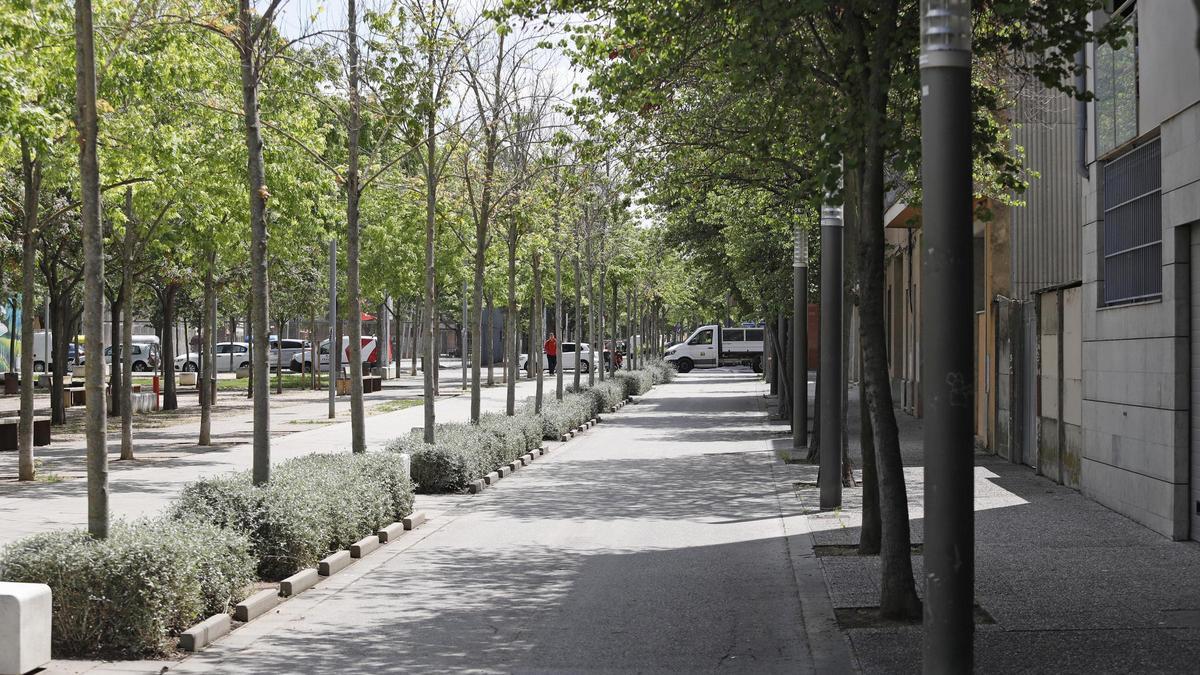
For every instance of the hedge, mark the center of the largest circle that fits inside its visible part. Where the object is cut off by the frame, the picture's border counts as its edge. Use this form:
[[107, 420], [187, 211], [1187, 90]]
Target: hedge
[[463, 453], [559, 417], [126, 595], [312, 505]]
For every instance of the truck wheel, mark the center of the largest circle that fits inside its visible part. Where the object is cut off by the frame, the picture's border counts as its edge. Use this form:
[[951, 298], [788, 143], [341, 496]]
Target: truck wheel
[[756, 364], [684, 365]]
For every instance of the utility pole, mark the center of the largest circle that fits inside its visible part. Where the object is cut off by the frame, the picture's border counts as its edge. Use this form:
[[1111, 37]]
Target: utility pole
[[832, 382], [800, 338], [332, 329], [946, 325]]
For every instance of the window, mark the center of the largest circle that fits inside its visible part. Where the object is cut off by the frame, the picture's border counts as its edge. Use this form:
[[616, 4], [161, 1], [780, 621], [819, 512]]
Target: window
[[568, 347], [239, 349], [702, 338], [1132, 229], [733, 335], [224, 349], [1117, 85], [754, 335]]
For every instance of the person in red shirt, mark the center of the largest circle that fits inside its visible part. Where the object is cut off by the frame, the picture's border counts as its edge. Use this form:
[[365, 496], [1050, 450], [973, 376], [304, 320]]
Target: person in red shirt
[[551, 348]]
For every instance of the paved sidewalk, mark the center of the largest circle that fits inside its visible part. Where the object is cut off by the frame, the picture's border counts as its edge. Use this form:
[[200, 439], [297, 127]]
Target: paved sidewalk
[[1071, 586], [170, 457], [660, 541]]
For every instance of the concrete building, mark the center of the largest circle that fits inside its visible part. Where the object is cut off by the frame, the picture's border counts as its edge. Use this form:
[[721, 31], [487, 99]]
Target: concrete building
[[1140, 294]]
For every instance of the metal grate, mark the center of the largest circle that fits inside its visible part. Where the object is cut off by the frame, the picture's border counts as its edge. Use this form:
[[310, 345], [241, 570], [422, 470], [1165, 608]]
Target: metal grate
[[1133, 226]]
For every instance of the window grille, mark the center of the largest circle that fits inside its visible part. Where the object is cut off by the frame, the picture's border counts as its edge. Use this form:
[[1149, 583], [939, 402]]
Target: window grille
[[1133, 226]]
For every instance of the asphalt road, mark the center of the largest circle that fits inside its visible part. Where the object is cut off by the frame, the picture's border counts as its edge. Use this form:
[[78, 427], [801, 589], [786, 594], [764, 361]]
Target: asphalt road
[[664, 540]]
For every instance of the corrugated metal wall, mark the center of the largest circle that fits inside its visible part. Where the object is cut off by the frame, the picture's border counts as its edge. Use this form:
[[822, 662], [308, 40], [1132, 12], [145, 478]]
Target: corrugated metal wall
[[1046, 247]]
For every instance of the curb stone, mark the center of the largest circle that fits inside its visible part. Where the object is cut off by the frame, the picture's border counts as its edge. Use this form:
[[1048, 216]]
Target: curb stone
[[414, 520], [364, 546], [492, 478], [299, 582], [390, 533], [256, 605], [205, 633], [475, 487], [334, 563]]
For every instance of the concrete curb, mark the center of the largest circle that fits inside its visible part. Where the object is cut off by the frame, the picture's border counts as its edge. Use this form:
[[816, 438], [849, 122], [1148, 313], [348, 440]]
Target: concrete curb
[[504, 471], [334, 563], [256, 605], [390, 533], [475, 487], [299, 582], [205, 633], [414, 520], [492, 478], [364, 546]]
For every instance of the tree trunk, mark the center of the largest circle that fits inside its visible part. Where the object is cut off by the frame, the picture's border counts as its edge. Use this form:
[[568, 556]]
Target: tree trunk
[[898, 596], [558, 323], [207, 348], [116, 372], [358, 438], [427, 328], [869, 534], [93, 262], [125, 391], [578, 321], [32, 181], [535, 346], [415, 338], [170, 397], [279, 355], [600, 315], [491, 341], [260, 307]]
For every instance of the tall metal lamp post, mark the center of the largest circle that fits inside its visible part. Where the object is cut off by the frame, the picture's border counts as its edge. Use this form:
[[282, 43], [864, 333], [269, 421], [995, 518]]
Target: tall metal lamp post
[[800, 339], [832, 383], [946, 325]]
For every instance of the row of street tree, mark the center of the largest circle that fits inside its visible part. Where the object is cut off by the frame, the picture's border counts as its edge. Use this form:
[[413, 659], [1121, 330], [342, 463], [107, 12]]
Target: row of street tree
[[185, 160]]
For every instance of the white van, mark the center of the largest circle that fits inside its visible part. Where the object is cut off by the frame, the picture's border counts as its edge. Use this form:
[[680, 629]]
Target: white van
[[302, 360], [43, 352], [712, 346]]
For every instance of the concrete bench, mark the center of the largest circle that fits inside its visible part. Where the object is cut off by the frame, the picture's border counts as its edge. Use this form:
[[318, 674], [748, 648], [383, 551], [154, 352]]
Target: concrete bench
[[25, 613], [9, 427]]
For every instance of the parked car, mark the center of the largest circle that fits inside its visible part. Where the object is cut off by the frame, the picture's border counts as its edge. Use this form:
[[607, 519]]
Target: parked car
[[302, 361], [567, 358], [230, 356], [291, 349], [145, 356], [43, 352]]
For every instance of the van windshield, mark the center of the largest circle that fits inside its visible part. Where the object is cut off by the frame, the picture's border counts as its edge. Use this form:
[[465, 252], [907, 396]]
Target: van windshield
[[704, 337]]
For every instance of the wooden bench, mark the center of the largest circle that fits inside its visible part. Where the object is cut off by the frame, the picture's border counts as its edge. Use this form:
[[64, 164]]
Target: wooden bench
[[372, 383], [8, 432]]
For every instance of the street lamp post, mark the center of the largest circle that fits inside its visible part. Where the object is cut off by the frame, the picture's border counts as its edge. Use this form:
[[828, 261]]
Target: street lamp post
[[800, 339], [832, 383], [946, 325]]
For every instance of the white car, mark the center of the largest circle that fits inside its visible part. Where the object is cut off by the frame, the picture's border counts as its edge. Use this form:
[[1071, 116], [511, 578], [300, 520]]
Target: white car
[[567, 358], [144, 356], [291, 349], [302, 361], [229, 358]]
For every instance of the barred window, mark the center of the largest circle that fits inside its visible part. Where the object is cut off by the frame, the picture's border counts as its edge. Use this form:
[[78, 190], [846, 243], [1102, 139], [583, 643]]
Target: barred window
[[1133, 226]]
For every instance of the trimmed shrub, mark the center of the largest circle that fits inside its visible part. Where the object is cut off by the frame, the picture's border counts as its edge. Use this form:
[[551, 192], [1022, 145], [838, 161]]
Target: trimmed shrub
[[313, 505], [661, 371], [125, 596], [559, 417], [463, 453], [635, 382]]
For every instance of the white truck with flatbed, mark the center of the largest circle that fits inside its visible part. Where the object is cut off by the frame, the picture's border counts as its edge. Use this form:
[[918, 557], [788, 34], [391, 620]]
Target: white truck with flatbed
[[713, 346]]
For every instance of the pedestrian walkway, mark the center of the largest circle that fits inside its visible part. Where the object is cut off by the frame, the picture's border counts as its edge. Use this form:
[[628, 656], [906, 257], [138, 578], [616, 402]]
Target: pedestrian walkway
[[663, 540], [170, 458], [1065, 584]]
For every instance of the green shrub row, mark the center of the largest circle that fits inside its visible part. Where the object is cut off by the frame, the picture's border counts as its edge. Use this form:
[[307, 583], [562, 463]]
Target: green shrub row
[[463, 453], [126, 595], [313, 505], [559, 417], [123, 596]]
